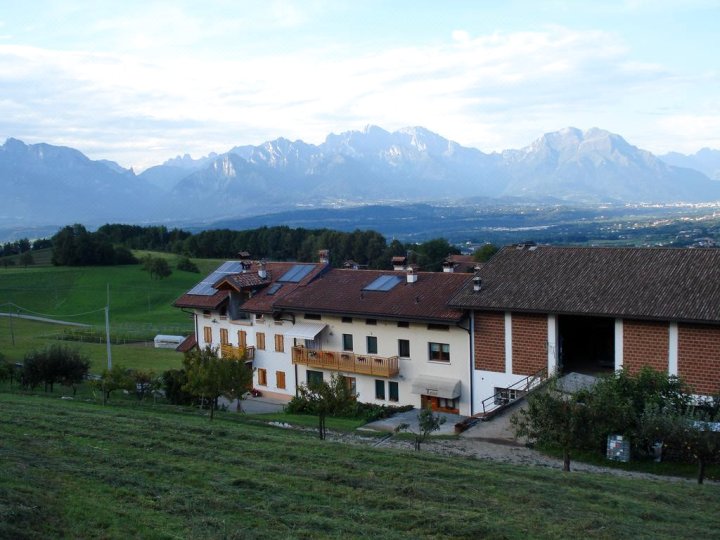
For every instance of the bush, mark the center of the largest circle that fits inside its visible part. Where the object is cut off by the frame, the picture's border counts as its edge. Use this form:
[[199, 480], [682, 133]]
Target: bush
[[186, 265], [174, 381]]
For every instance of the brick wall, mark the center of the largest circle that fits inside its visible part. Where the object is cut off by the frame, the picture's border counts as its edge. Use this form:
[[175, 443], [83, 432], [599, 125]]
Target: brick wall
[[699, 357], [645, 343], [490, 341], [529, 343]]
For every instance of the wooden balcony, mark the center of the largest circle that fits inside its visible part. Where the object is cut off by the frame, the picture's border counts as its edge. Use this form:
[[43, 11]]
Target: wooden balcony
[[367, 364], [230, 351]]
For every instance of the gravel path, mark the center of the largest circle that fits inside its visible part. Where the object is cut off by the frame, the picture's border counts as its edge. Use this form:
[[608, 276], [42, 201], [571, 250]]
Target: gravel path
[[504, 452]]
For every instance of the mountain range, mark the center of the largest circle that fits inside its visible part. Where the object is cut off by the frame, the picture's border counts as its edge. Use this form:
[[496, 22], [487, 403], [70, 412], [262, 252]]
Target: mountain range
[[44, 184]]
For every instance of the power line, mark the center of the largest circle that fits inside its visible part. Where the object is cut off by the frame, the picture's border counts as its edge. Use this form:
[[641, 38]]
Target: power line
[[25, 310]]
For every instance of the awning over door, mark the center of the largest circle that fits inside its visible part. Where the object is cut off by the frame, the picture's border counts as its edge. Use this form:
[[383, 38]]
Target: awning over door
[[305, 330], [437, 386]]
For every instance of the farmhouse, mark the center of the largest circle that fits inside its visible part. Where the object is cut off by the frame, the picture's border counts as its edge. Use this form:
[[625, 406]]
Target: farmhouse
[[589, 310], [390, 334], [467, 343]]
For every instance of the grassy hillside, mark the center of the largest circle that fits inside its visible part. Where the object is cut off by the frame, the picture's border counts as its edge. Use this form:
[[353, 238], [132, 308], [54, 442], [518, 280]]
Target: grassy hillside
[[140, 307], [80, 470]]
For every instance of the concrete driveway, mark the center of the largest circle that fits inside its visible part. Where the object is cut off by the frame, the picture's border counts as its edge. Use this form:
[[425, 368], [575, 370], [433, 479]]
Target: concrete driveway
[[411, 418]]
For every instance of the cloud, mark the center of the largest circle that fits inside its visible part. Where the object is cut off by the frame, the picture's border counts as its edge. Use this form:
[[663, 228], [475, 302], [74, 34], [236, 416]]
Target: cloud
[[163, 94]]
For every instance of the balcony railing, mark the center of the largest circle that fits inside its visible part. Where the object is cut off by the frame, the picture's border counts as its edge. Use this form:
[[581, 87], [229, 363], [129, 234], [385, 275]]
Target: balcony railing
[[230, 351], [368, 364]]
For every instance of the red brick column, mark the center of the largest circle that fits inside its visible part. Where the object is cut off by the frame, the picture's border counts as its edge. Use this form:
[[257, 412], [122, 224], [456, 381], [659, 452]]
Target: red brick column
[[645, 343], [489, 341], [529, 343], [699, 357]]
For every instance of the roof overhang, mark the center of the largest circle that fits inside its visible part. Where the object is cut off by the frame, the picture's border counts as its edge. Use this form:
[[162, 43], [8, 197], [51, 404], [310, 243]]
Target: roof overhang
[[305, 330], [437, 386]]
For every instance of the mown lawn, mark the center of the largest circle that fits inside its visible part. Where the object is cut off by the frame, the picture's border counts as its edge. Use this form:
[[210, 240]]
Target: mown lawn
[[80, 470], [33, 335]]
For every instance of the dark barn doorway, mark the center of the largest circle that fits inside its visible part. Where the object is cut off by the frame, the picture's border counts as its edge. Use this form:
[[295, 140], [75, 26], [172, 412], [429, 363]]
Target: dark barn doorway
[[587, 344]]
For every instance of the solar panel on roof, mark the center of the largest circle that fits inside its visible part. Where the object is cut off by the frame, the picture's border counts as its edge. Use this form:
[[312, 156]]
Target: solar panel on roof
[[205, 287], [297, 273], [275, 287], [383, 283]]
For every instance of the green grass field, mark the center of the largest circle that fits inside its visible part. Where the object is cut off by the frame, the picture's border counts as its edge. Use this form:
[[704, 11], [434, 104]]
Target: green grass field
[[80, 470], [140, 308]]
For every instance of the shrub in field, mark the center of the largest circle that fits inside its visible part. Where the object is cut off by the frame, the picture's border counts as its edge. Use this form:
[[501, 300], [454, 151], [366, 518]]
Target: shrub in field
[[186, 265], [146, 382], [174, 382]]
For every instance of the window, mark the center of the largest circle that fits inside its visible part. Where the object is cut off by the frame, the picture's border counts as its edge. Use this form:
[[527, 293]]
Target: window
[[444, 327], [379, 389], [224, 339], [394, 394], [260, 341], [347, 319], [279, 343], [242, 339], [262, 376], [259, 317], [351, 384], [223, 313], [314, 377], [207, 334], [439, 352], [280, 379], [403, 324], [371, 322], [206, 313], [404, 348], [347, 342], [371, 345], [312, 316], [503, 396]]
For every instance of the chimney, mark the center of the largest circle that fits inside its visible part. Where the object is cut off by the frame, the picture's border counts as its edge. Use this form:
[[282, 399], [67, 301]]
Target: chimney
[[448, 266], [477, 283], [411, 276], [399, 262], [262, 272], [324, 255]]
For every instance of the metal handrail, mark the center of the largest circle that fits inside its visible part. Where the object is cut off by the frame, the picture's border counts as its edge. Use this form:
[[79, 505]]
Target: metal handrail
[[523, 386]]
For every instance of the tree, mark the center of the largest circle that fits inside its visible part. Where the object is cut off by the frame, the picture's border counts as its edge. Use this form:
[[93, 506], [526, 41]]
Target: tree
[[174, 382], [237, 380], [117, 378], [145, 382], [55, 364], [7, 369], [26, 259], [428, 422], [186, 265], [204, 376], [157, 267], [485, 252], [688, 431], [323, 399], [554, 418]]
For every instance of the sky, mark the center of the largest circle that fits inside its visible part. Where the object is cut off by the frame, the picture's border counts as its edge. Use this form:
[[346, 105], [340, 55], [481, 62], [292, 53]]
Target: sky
[[139, 82]]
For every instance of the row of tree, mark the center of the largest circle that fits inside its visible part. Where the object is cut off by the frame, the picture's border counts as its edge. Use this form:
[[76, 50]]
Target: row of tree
[[651, 409], [110, 244]]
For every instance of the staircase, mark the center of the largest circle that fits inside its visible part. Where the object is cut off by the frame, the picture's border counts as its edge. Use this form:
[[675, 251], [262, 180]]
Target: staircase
[[504, 398]]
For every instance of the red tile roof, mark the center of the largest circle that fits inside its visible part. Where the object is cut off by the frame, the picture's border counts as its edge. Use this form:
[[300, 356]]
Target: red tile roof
[[198, 301], [342, 291], [188, 344], [644, 283], [260, 301]]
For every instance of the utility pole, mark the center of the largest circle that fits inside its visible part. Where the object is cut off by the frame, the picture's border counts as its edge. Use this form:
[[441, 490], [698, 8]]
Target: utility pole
[[107, 337], [12, 330]]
